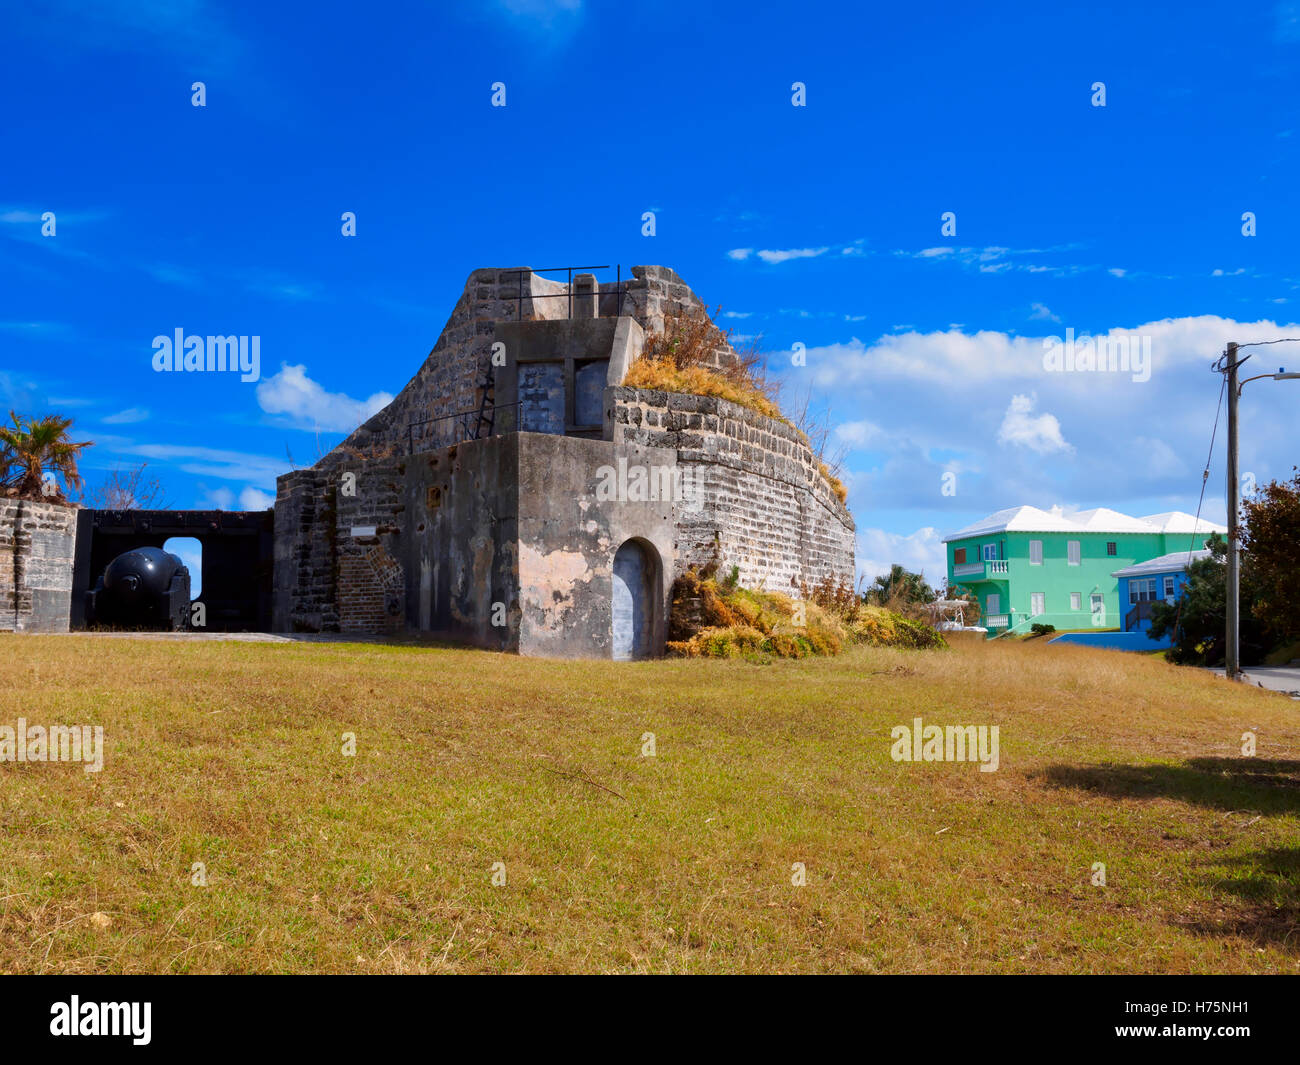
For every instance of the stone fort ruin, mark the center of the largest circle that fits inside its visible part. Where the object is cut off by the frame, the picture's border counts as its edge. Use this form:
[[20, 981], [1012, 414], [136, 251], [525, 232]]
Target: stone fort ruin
[[516, 496]]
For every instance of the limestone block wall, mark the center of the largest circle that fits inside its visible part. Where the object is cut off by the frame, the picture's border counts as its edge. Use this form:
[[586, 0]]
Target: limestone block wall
[[37, 545], [762, 505]]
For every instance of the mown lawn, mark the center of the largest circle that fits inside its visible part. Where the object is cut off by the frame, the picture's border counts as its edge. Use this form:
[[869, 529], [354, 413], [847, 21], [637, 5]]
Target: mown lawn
[[229, 754]]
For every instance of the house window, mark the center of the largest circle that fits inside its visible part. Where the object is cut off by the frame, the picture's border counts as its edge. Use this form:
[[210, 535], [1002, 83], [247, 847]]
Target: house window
[[990, 552], [1035, 552], [1141, 591], [1073, 552], [1111, 548], [994, 604], [959, 556], [1036, 604], [1169, 587], [1076, 600]]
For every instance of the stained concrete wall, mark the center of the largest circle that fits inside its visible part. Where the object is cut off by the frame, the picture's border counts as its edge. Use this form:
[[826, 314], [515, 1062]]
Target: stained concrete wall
[[461, 517], [577, 506], [37, 548]]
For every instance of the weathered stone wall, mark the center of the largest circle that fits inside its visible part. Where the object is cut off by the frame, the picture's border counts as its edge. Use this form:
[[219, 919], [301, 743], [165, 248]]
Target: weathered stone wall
[[305, 582], [369, 533], [764, 506], [37, 545]]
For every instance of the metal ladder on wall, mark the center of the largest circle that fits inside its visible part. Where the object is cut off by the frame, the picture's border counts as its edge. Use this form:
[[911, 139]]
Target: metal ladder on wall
[[487, 404]]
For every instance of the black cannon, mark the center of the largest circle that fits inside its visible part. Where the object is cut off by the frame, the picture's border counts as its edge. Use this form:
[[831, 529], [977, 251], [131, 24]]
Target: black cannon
[[145, 588]]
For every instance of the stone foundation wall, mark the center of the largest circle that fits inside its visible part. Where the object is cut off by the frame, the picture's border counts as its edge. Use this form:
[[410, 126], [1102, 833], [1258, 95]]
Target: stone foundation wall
[[37, 545], [762, 504]]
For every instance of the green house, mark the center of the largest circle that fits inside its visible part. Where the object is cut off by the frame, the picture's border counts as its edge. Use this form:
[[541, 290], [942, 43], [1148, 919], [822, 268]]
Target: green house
[[1029, 566]]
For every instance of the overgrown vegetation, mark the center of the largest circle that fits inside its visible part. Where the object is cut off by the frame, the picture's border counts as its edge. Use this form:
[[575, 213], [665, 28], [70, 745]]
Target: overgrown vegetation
[[694, 356], [717, 618]]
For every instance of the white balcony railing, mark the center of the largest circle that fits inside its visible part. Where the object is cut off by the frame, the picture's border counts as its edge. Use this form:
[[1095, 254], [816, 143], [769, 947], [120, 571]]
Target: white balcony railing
[[981, 569], [997, 621]]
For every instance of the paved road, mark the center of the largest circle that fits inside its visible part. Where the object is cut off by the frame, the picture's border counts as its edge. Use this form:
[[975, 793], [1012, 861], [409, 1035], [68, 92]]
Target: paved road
[[1277, 678]]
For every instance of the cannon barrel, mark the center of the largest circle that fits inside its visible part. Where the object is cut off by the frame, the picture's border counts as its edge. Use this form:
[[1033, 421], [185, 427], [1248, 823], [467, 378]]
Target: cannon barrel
[[145, 586], [141, 574]]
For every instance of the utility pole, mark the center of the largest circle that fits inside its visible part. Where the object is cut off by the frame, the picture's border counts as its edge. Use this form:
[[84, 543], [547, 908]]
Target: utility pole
[[1228, 365], [1232, 665]]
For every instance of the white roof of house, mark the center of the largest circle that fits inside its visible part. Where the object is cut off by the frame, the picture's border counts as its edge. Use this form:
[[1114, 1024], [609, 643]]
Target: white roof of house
[[1022, 519], [1175, 562], [1175, 521], [1103, 519], [1097, 520]]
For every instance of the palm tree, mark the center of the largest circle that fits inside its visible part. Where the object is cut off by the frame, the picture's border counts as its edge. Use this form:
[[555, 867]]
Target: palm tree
[[899, 583], [33, 447]]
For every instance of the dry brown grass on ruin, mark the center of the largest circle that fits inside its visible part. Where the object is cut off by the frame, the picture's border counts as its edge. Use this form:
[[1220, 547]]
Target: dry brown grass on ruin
[[685, 358]]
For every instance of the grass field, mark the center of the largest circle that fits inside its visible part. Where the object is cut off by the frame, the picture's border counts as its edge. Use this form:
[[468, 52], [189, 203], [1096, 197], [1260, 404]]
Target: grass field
[[229, 754]]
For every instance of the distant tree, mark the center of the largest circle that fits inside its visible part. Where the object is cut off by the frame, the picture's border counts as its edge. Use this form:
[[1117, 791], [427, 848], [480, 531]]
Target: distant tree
[[30, 448], [127, 489], [899, 587], [1272, 541], [1197, 621]]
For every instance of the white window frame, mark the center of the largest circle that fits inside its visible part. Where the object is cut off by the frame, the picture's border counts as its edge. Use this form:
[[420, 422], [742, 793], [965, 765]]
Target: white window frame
[[1076, 600], [1035, 552], [1037, 604], [990, 552], [1170, 589], [1074, 552]]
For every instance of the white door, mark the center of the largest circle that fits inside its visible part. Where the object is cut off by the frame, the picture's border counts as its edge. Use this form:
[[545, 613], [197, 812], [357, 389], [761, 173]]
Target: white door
[[1036, 606], [995, 604], [1098, 603]]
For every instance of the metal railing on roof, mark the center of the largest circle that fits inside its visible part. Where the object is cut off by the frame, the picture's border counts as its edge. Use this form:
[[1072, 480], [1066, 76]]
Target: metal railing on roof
[[519, 299]]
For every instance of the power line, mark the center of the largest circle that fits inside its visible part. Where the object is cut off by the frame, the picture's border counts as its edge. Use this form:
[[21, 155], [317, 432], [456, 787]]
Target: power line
[[1205, 478]]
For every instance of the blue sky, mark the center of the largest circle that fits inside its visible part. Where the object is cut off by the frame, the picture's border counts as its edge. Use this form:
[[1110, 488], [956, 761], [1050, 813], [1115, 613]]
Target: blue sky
[[817, 225]]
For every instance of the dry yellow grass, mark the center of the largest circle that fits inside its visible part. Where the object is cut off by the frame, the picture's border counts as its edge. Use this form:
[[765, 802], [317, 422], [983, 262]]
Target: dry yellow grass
[[229, 754]]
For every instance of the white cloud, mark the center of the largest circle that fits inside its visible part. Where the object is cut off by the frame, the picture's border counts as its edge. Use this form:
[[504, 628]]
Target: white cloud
[[740, 254], [859, 434], [1038, 432], [1041, 311], [127, 417], [308, 406], [781, 256], [217, 499], [255, 499], [920, 552]]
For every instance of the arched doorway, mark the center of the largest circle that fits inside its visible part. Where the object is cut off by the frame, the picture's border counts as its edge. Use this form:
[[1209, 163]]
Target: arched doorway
[[633, 601]]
